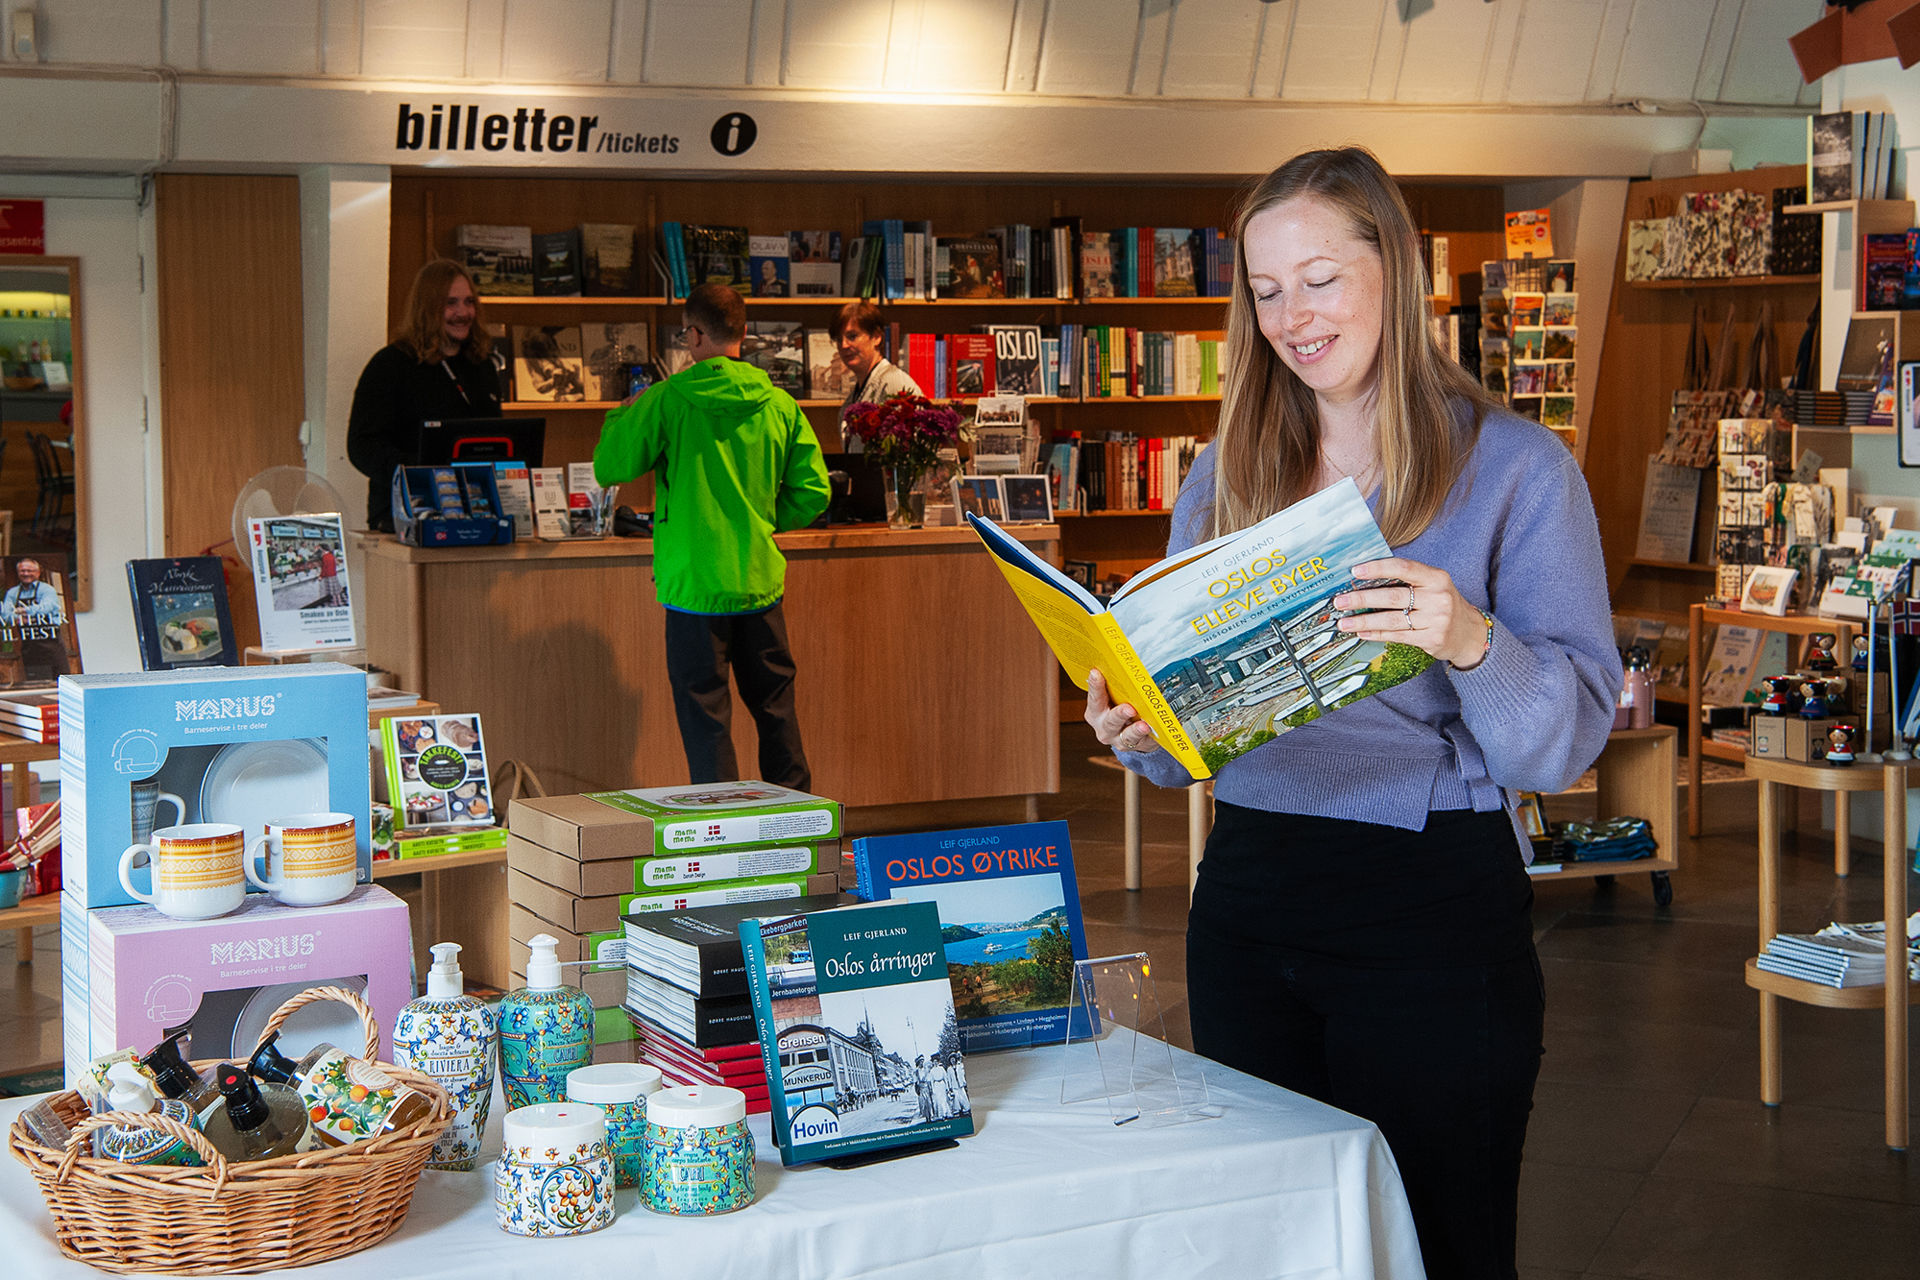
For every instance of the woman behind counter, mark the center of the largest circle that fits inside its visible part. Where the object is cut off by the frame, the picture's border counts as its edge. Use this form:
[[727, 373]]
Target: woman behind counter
[[437, 367], [1360, 929]]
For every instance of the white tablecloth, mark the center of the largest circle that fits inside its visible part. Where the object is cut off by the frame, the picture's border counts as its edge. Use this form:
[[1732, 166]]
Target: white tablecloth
[[1277, 1185]]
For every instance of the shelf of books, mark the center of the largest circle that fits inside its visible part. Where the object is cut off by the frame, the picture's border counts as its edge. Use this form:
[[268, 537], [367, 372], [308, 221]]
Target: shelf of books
[[1725, 282], [1120, 290]]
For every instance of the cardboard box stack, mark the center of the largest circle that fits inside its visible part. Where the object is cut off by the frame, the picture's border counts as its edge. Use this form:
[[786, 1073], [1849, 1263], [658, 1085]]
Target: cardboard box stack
[[576, 865], [239, 745]]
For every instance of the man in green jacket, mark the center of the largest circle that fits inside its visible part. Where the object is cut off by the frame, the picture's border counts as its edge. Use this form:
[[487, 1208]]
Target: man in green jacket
[[735, 463]]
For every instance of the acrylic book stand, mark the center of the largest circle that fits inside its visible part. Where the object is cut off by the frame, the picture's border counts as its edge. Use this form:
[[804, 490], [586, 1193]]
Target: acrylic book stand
[[1126, 1061]]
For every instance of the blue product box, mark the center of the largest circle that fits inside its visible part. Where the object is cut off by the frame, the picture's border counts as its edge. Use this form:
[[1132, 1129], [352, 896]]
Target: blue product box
[[453, 506], [220, 744], [233, 744]]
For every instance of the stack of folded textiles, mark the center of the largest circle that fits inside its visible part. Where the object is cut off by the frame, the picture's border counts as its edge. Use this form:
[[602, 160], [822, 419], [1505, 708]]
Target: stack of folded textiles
[[1615, 840]]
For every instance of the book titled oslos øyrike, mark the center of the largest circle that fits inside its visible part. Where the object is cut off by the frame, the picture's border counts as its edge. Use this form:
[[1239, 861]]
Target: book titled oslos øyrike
[[1228, 644], [1010, 919], [857, 1029]]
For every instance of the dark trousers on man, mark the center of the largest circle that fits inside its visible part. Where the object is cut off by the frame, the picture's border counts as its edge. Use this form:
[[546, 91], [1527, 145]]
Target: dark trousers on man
[[701, 651]]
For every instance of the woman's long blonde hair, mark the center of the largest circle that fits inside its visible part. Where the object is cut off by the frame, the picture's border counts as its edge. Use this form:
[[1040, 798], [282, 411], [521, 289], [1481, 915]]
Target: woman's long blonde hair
[[1268, 442], [425, 322]]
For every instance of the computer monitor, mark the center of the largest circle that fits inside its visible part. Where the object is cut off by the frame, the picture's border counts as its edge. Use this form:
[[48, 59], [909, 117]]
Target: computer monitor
[[445, 440], [862, 497]]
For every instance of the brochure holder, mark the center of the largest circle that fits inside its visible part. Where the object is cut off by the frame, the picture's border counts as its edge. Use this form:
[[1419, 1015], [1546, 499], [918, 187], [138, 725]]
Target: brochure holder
[[1126, 1061], [451, 506]]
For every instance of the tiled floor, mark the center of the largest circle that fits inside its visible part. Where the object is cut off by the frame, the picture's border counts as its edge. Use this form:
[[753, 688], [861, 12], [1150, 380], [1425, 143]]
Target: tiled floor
[[1649, 1154]]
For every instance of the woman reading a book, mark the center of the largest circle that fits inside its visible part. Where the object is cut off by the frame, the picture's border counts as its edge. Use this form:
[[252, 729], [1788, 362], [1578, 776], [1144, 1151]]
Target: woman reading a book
[[438, 367], [1360, 931]]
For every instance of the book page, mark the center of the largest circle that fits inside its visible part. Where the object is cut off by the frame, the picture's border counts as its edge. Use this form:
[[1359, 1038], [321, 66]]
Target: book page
[[1243, 640]]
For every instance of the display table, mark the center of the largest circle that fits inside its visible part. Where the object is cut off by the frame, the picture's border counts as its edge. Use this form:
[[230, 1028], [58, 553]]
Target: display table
[[1277, 1186], [920, 676], [1895, 992]]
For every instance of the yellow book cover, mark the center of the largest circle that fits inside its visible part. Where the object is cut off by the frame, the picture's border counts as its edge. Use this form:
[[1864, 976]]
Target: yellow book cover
[[1230, 643]]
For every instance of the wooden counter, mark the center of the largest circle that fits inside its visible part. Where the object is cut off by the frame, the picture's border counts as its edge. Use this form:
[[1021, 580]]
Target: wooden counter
[[920, 677]]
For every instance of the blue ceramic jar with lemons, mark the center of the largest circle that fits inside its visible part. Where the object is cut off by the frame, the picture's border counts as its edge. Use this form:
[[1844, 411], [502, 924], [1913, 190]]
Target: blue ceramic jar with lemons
[[546, 1030]]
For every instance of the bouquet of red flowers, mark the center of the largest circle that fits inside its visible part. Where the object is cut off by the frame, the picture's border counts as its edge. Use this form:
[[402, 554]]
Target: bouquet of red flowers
[[905, 432]]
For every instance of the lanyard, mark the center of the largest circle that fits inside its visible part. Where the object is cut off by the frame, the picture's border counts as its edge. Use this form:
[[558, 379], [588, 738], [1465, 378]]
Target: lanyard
[[455, 379]]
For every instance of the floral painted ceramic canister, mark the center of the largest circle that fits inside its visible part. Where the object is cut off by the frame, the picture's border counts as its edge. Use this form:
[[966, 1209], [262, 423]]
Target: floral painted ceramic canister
[[699, 1155], [449, 1035], [546, 1030], [555, 1175], [620, 1090]]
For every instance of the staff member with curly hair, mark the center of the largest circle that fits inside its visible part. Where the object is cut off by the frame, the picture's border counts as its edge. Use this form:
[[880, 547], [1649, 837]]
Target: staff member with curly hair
[[1360, 930], [437, 367]]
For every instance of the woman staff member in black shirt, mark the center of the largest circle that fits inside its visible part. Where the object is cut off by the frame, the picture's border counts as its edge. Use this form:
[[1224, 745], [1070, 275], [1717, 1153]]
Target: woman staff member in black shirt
[[437, 367]]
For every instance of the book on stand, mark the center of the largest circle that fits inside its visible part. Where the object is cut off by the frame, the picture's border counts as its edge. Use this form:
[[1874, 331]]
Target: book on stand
[[1230, 643], [300, 587], [606, 260], [181, 614], [857, 1029], [1010, 920], [556, 264]]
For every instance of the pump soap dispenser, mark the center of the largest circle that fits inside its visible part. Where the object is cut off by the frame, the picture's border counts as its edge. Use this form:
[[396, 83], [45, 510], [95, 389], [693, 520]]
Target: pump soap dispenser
[[259, 1120], [130, 1092], [546, 1030], [177, 1078], [449, 1035]]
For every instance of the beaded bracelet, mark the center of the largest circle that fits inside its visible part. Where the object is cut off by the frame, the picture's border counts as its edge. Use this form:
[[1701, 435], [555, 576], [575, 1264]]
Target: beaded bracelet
[[1484, 651]]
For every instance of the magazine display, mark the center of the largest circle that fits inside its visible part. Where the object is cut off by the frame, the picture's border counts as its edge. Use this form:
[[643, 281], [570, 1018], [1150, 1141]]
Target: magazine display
[[857, 1029], [300, 581], [437, 771], [1229, 643], [1010, 919], [180, 613]]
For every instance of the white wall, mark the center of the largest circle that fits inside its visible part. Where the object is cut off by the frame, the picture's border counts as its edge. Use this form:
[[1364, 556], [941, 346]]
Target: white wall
[[99, 222]]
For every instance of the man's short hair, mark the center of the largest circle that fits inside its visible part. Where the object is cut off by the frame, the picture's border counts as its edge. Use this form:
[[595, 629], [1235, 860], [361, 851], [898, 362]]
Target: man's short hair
[[716, 310], [862, 313]]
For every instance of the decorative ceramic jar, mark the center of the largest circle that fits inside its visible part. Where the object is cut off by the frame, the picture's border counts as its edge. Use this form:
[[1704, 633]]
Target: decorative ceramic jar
[[554, 1176], [699, 1155], [620, 1090]]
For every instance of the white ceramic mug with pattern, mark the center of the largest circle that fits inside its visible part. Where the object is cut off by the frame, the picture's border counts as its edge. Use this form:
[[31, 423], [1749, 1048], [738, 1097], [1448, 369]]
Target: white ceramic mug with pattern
[[312, 858], [195, 870]]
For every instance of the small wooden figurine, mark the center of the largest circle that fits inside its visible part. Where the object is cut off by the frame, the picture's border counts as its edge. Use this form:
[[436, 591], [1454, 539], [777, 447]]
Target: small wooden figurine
[[1780, 698], [1820, 651], [1814, 705], [1841, 738]]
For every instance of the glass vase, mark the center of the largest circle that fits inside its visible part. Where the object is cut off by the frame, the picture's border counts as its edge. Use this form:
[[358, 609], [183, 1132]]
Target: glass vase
[[908, 508]]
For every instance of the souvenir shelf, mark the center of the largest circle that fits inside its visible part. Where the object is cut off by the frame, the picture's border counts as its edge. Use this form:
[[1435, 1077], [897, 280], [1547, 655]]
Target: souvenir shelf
[[1635, 774]]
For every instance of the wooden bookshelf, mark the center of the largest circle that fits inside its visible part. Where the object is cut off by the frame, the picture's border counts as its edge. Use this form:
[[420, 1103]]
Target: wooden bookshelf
[[1725, 282]]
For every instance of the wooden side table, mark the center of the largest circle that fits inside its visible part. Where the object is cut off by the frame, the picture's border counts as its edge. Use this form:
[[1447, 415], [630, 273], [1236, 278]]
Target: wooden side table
[[1897, 993]]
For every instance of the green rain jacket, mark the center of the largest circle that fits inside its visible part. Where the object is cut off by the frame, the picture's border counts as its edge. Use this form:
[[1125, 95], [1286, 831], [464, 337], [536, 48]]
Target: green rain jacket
[[735, 463]]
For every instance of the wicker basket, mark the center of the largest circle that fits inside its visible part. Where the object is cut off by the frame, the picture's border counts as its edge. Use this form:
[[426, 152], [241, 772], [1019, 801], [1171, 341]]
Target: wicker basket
[[258, 1216]]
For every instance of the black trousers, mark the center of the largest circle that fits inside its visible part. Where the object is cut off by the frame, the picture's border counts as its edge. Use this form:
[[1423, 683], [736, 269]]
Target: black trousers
[[1390, 974], [701, 650]]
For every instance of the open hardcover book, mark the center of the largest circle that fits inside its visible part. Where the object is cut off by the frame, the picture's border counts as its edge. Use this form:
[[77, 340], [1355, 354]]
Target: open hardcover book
[[1229, 643]]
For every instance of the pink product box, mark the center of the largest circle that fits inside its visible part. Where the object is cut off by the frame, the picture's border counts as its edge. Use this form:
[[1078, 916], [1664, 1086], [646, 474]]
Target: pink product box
[[149, 975]]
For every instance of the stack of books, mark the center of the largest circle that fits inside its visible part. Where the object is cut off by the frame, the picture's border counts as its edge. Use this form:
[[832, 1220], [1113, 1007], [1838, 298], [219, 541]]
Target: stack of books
[[33, 715], [576, 865], [686, 993], [1836, 956]]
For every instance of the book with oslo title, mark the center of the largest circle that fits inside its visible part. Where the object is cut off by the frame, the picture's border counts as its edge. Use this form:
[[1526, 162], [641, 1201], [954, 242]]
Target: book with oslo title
[[857, 1029], [1229, 643]]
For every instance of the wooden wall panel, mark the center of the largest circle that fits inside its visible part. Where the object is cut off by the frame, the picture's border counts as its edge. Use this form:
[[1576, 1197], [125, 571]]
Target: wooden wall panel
[[1646, 354], [232, 394]]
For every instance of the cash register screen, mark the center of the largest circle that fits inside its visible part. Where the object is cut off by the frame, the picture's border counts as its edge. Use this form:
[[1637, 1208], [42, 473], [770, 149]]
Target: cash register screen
[[442, 441]]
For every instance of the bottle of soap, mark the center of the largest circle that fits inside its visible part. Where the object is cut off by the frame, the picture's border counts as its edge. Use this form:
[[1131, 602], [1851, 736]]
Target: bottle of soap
[[546, 1030], [347, 1098], [175, 1077], [130, 1092], [449, 1035], [259, 1120]]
